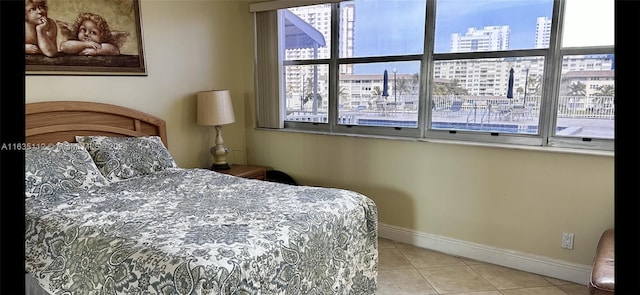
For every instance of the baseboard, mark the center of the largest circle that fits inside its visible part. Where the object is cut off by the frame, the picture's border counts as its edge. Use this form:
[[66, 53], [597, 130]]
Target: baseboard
[[563, 270]]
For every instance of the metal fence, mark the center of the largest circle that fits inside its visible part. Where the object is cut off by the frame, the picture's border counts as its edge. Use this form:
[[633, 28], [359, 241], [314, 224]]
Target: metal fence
[[596, 107], [576, 107]]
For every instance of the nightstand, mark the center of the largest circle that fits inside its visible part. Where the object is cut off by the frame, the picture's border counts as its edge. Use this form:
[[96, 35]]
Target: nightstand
[[246, 171]]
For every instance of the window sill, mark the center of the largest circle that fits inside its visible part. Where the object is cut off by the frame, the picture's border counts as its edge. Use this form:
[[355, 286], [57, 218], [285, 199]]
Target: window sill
[[460, 142]]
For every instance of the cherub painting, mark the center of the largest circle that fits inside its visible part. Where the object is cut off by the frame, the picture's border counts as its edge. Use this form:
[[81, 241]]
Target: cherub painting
[[41, 31], [87, 37], [91, 35]]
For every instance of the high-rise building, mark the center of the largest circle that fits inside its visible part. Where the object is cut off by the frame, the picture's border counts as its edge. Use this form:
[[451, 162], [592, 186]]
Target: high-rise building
[[347, 33], [300, 78], [543, 31], [319, 16], [487, 39], [478, 77]]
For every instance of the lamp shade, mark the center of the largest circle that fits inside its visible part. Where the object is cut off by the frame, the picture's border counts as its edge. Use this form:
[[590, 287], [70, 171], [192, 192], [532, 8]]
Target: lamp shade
[[215, 108]]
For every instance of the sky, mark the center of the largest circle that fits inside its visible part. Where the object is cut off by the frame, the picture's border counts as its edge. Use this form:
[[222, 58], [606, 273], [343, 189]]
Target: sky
[[378, 32]]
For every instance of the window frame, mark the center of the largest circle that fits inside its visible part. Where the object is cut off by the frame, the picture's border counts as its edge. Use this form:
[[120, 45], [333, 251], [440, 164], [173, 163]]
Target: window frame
[[545, 137]]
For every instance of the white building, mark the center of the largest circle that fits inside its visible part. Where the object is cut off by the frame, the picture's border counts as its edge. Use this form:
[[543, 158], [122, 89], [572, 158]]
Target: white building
[[478, 77], [319, 17], [360, 90], [487, 39], [543, 31], [490, 78], [487, 78], [593, 80], [587, 63], [300, 77]]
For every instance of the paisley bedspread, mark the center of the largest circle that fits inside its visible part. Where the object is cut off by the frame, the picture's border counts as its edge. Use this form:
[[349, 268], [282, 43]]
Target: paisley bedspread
[[195, 231]]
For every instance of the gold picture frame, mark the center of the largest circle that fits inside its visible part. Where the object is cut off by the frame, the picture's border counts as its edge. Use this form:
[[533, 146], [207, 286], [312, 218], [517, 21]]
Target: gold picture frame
[[83, 37]]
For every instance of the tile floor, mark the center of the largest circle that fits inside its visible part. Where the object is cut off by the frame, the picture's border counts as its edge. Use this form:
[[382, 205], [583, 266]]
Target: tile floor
[[406, 269]]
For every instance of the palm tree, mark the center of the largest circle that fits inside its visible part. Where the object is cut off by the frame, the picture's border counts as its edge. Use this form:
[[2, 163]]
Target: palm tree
[[415, 81], [577, 89], [534, 84], [455, 88], [343, 95], [309, 97], [308, 93], [449, 88], [604, 91], [402, 85], [376, 91], [440, 89], [452, 88]]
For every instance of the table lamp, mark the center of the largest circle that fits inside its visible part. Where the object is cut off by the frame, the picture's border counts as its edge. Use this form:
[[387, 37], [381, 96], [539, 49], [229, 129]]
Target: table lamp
[[215, 109]]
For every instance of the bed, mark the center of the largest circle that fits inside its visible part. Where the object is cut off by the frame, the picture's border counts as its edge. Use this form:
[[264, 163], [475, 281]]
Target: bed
[[108, 212]]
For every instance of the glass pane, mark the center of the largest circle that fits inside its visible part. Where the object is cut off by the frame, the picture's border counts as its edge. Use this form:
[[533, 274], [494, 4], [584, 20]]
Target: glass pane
[[483, 95], [381, 27], [587, 94], [492, 25], [307, 32], [368, 98], [307, 89], [588, 23]]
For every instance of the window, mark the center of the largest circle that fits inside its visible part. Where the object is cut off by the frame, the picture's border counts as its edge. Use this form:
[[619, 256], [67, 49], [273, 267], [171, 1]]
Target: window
[[537, 73], [586, 93]]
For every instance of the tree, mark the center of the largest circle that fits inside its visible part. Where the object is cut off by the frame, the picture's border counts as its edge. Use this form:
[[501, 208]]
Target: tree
[[402, 86], [376, 91], [605, 90], [577, 89], [455, 88], [534, 84], [308, 91], [343, 95], [309, 97], [415, 81], [441, 89], [450, 88]]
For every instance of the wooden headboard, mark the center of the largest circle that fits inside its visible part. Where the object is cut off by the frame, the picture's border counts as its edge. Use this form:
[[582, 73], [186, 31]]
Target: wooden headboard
[[57, 121]]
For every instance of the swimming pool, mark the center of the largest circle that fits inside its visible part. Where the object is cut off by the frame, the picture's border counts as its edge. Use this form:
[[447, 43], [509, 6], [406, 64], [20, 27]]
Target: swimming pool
[[499, 128], [504, 128]]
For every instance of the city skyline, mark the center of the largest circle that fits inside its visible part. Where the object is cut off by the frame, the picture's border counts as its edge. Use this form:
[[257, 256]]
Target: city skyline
[[363, 34], [371, 33], [454, 16]]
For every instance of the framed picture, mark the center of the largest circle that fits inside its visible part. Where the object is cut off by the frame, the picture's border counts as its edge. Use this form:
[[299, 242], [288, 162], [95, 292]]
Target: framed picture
[[83, 37]]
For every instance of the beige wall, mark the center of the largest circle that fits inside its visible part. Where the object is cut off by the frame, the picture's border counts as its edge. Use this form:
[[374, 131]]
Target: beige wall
[[189, 46], [512, 199], [505, 198]]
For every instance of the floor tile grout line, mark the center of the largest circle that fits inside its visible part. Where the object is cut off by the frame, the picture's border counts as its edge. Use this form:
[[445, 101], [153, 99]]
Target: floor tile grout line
[[470, 264], [461, 260], [416, 269], [541, 276], [484, 279], [442, 266], [426, 280]]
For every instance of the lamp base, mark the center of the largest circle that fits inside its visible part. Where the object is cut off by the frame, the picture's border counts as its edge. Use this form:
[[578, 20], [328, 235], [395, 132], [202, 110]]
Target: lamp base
[[224, 166]]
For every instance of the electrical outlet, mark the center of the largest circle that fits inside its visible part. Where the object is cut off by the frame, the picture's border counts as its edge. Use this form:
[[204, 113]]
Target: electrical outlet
[[567, 240]]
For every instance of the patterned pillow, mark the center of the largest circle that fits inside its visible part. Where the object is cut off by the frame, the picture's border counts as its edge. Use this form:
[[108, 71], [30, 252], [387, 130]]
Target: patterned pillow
[[60, 168], [120, 158]]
